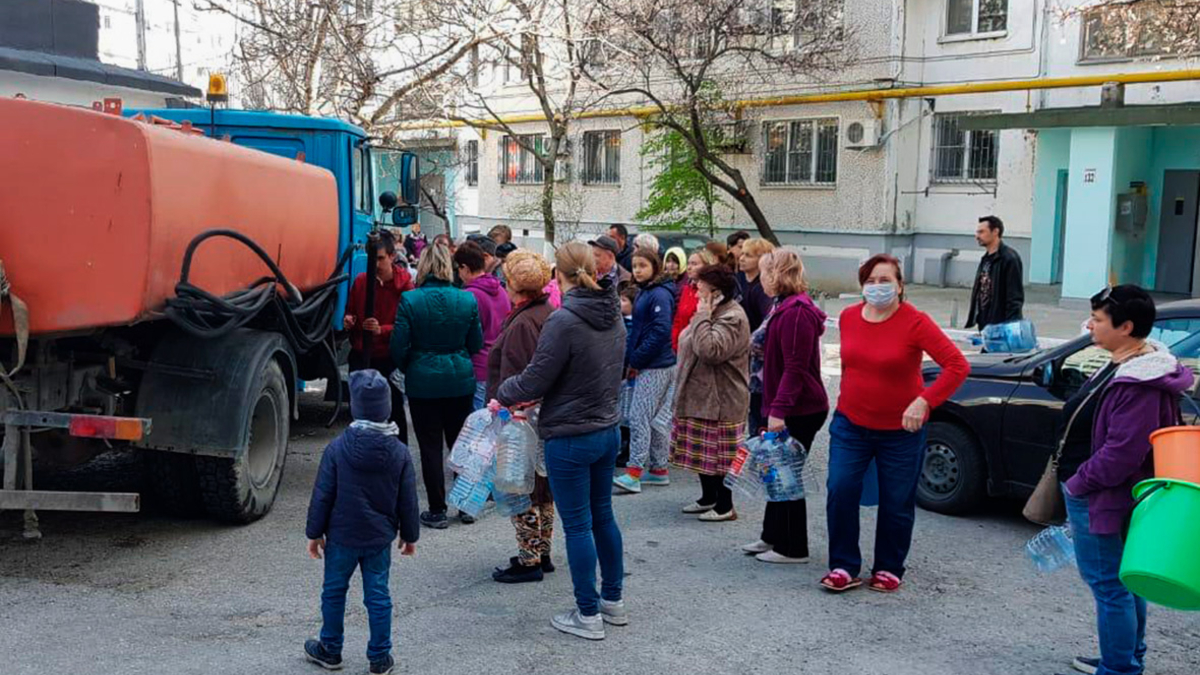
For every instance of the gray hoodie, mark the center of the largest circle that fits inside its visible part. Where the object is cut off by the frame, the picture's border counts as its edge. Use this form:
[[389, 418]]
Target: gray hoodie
[[577, 368]]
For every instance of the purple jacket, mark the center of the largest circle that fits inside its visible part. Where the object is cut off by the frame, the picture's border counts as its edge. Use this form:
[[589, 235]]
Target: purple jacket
[[494, 307], [792, 360], [1142, 397]]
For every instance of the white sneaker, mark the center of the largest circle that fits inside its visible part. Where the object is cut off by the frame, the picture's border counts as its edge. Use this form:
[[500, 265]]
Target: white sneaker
[[773, 557], [714, 517], [574, 623], [697, 507], [757, 547], [614, 613]]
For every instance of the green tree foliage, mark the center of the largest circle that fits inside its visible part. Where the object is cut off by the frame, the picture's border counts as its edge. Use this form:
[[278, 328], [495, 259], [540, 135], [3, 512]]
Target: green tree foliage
[[680, 198]]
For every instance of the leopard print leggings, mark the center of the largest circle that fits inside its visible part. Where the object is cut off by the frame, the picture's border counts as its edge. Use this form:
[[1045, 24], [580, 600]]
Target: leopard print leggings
[[535, 531]]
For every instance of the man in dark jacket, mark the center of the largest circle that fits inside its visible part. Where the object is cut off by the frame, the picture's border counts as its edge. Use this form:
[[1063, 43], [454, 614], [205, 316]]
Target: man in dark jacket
[[620, 234], [365, 491], [999, 292]]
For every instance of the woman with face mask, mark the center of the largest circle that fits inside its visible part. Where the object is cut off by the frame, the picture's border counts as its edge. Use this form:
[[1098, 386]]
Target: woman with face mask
[[881, 415]]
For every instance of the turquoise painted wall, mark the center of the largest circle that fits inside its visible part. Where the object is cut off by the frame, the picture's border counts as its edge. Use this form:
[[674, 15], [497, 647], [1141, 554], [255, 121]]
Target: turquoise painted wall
[[1134, 151], [1090, 213], [1053, 155], [1172, 148]]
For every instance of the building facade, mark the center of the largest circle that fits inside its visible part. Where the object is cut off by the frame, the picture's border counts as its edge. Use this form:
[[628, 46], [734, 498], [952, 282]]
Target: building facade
[[911, 176]]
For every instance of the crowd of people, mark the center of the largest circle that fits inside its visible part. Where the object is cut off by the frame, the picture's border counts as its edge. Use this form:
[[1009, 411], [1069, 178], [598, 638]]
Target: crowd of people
[[695, 351]]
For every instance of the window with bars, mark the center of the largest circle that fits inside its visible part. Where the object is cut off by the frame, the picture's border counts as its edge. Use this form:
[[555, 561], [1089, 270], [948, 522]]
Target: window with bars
[[602, 157], [963, 156], [518, 165], [472, 163], [971, 17], [800, 152], [1132, 30]]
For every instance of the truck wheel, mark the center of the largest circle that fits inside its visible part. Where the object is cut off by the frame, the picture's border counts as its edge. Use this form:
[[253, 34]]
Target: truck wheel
[[174, 487], [242, 490], [953, 473]]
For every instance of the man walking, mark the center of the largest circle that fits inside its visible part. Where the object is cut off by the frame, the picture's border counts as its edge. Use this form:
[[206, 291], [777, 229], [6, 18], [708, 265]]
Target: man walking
[[998, 294]]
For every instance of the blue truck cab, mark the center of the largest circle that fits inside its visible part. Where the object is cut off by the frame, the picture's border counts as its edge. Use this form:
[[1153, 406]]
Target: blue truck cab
[[364, 171]]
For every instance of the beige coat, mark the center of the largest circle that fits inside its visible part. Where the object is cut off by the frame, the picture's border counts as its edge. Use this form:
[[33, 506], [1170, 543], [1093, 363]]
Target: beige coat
[[713, 378]]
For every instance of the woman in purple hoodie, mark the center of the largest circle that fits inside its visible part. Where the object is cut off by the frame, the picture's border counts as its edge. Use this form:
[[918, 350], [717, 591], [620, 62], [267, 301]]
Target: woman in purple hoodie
[[494, 307], [1107, 451], [785, 358]]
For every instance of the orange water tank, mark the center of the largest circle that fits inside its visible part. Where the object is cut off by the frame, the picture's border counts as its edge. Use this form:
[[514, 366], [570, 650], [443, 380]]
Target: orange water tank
[[96, 212]]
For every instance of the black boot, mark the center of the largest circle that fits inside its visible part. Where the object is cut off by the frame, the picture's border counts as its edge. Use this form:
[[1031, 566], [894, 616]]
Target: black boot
[[518, 574]]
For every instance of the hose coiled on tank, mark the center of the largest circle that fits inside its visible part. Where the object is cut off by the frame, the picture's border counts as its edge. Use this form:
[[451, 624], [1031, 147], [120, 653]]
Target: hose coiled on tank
[[305, 323]]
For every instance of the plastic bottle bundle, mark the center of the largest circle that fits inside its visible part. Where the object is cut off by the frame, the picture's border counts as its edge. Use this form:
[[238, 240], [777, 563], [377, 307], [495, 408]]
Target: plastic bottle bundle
[[470, 495], [744, 477], [539, 464], [1051, 549], [516, 454], [476, 444], [1012, 337], [511, 505], [782, 467]]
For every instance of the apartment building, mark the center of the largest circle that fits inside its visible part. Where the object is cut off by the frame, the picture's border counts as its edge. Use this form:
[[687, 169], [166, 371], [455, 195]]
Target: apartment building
[[1083, 204]]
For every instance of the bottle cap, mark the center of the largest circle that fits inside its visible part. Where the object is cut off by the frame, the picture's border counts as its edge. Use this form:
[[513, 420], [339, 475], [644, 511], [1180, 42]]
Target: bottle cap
[[505, 415]]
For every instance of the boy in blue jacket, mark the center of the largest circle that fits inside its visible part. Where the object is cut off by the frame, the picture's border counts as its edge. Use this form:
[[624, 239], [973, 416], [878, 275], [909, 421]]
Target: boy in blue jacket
[[365, 491]]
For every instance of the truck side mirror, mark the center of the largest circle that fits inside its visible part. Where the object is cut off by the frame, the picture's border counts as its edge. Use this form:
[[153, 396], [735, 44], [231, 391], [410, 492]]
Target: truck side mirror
[[388, 200], [410, 179], [403, 216]]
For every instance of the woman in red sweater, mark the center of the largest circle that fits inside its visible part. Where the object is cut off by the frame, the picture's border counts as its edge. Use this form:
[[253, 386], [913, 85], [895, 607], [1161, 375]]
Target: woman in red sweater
[[881, 415], [713, 253]]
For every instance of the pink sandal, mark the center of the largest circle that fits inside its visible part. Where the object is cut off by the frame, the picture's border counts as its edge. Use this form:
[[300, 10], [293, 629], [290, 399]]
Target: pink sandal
[[885, 582], [840, 581]]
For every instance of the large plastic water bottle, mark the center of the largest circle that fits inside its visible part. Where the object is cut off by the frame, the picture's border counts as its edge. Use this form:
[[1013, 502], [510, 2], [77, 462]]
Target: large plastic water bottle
[[516, 454], [1051, 549], [470, 495], [511, 505], [781, 467], [1012, 337], [743, 476], [475, 446]]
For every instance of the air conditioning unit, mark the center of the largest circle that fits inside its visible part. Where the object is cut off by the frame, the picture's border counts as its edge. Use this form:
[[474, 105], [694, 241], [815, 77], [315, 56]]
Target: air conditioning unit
[[863, 134]]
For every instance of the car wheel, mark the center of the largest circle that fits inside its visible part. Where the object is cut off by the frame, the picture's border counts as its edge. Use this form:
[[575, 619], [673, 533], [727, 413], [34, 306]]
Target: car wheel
[[953, 472]]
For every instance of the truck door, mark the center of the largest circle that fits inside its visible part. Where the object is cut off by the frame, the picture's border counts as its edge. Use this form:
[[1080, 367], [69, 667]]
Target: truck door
[[362, 210]]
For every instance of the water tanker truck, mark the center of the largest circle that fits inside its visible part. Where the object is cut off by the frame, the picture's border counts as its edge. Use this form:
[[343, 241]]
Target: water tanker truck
[[167, 277]]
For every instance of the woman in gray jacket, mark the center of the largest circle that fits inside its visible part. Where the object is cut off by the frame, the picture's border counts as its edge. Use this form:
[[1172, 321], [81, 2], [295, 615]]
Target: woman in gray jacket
[[576, 372]]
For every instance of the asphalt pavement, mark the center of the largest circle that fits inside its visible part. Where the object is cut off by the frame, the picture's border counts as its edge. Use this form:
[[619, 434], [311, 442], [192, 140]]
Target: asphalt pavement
[[146, 593]]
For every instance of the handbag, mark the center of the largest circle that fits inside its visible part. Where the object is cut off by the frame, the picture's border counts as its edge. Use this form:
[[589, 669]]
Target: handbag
[[1046, 506]]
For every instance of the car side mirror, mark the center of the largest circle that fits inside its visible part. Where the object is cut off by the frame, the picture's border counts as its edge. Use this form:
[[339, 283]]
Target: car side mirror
[[1044, 374]]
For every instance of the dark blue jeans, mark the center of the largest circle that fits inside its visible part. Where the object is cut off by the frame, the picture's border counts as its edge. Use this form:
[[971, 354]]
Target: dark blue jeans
[[898, 456], [1120, 615], [581, 473], [340, 563]]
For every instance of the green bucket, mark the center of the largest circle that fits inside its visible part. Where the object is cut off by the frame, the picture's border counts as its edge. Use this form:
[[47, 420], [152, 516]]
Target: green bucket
[[1161, 562]]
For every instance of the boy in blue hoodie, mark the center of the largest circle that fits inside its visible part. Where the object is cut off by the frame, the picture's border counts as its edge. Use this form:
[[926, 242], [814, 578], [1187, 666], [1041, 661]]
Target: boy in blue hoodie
[[365, 491]]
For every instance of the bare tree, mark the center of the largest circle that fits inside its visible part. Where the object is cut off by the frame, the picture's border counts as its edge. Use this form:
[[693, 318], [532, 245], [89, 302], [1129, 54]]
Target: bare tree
[[1138, 28], [539, 48], [687, 59], [359, 60]]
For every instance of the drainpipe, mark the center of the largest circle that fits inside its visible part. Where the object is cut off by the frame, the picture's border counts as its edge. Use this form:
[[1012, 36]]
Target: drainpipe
[[944, 270]]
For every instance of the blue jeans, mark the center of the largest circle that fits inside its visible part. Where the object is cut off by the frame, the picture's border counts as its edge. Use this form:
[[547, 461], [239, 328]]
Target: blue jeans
[[340, 563], [480, 399], [1120, 615], [898, 456], [581, 473]]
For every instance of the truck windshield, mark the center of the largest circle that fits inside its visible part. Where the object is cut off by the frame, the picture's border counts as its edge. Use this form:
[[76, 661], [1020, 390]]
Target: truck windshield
[[386, 168]]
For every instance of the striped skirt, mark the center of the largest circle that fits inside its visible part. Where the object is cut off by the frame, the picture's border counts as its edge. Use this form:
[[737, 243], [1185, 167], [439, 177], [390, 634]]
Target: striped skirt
[[705, 446]]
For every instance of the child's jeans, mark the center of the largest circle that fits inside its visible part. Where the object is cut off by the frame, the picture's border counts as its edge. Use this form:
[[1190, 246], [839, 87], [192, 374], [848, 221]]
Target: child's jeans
[[340, 563]]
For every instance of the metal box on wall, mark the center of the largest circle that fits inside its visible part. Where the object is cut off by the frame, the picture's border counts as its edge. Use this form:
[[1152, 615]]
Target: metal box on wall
[[1131, 213]]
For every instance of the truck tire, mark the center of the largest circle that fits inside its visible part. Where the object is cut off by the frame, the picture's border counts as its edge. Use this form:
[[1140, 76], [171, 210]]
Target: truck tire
[[174, 484], [953, 472], [243, 489]]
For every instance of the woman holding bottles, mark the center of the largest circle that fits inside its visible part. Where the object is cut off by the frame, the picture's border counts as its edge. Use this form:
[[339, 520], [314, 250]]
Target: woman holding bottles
[[576, 372], [881, 415], [527, 274], [786, 360]]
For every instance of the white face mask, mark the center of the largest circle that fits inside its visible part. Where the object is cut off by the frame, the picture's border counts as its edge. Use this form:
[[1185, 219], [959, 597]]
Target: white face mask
[[879, 295]]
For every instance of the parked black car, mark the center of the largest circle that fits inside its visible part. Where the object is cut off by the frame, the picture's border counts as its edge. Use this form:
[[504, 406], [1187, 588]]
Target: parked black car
[[994, 436]]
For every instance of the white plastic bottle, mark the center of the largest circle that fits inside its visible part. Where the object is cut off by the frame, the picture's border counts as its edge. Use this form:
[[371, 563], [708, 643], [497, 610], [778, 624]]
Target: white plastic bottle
[[516, 453]]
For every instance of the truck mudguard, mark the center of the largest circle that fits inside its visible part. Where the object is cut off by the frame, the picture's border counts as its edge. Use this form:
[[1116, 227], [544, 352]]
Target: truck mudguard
[[202, 394]]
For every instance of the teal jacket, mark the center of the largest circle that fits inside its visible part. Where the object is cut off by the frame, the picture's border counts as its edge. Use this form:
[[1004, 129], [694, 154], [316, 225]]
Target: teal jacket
[[437, 330]]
